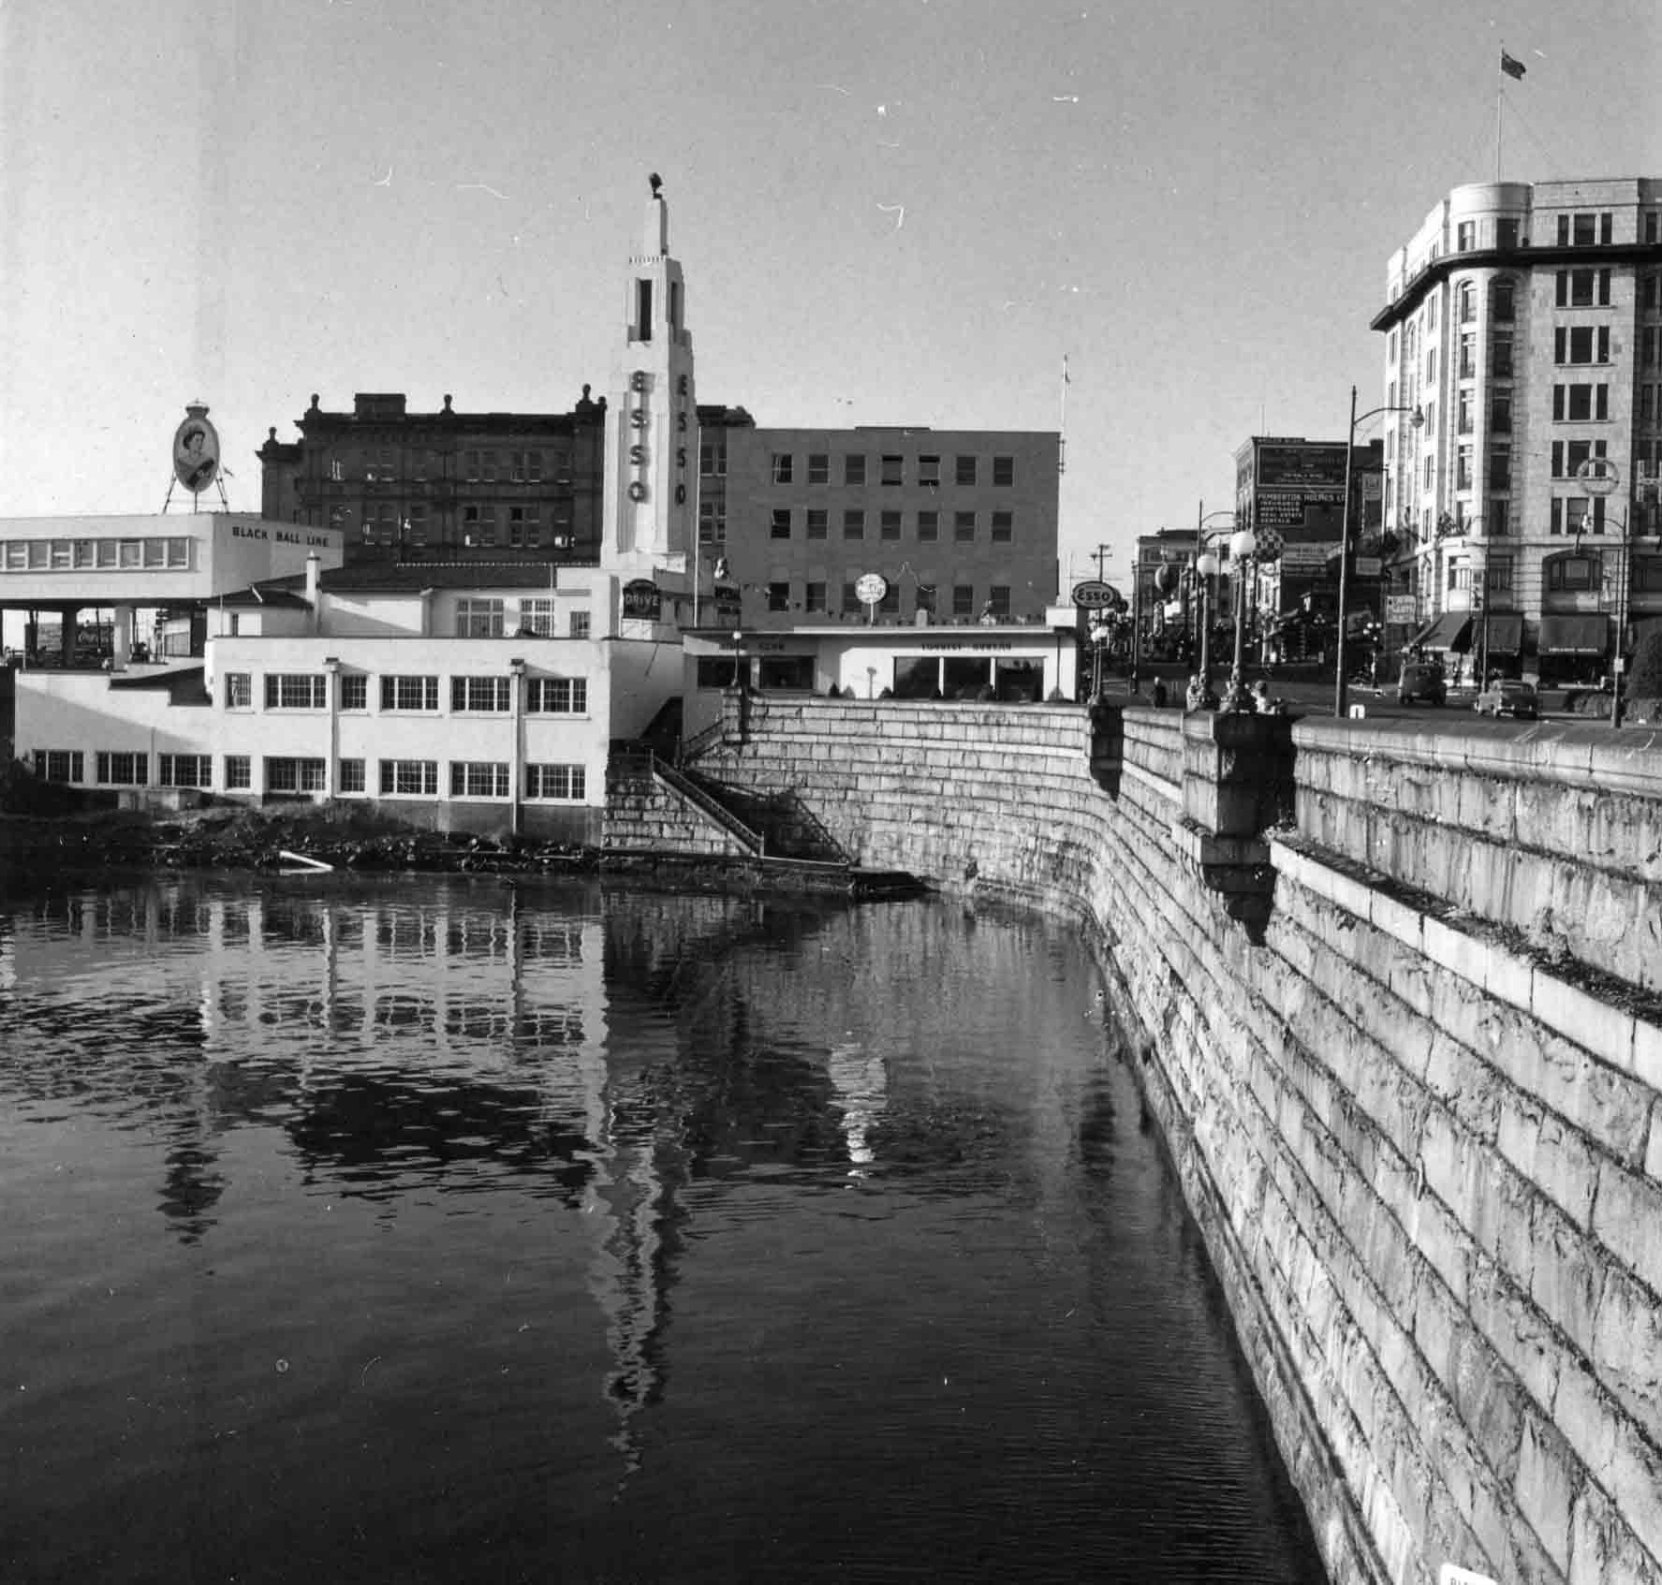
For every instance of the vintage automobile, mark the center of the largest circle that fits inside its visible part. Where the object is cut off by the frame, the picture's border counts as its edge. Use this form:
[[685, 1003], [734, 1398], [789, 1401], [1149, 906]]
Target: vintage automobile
[[1422, 681], [1508, 697]]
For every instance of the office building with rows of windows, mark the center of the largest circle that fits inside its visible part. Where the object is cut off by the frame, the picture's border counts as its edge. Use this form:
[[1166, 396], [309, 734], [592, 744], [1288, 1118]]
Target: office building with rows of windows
[[1524, 323], [960, 524]]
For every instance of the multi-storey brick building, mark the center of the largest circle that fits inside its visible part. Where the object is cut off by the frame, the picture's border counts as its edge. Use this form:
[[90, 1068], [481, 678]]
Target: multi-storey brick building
[[958, 523], [443, 485], [1524, 322]]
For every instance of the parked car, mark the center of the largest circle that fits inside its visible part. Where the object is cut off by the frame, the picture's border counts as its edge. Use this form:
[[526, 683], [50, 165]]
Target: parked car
[[1422, 681], [1508, 697]]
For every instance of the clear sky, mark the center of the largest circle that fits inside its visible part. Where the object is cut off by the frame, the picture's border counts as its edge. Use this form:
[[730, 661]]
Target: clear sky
[[889, 211]]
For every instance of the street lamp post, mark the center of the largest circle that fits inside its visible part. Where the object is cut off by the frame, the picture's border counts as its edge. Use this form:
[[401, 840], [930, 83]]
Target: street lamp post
[[1341, 687], [1243, 546], [1206, 568]]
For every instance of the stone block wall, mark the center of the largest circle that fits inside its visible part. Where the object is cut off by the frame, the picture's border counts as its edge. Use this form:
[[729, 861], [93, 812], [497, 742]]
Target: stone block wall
[[1425, 1149]]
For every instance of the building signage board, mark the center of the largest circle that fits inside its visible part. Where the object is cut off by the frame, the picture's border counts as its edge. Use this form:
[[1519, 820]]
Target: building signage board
[[1307, 558], [1402, 608], [1302, 467], [1369, 566], [642, 599]]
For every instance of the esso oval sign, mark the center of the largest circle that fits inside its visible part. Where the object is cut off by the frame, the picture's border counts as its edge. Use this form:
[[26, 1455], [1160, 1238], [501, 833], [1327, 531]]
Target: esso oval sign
[[871, 588], [1095, 595]]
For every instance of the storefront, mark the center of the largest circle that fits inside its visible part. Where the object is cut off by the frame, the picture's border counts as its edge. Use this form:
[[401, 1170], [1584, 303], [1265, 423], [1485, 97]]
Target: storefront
[[1574, 647]]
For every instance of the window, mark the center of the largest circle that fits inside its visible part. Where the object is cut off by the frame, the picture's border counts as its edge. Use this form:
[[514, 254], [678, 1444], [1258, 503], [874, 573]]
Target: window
[[1004, 472], [1430, 315], [579, 626], [479, 618], [238, 773], [1500, 413], [289, 775], [1500, 357], [782, 466], [892, 470], [351, 776], [1465, 236], [61, 765], [1569, 456], [963, 599], [239, 691], [1575, 514], [410, 778], [418, 522], [929, 470], [1651, 346], [1431, 366], [1502, 300], [1506, 233], [122, 770], [1579, 343], [1465, 302], [478, 779], [296, 691], [779, 596], [851, 601], [1497, 519], [929, 526], [409, 693], [480, 695], [854, 523], [1004, 527], [781, 523], [712, 454], [536, 617], [1653, 225], [854, 469], [814, 598], [1463, 468], [1497, 578], [1468, 355], [1583, 288], [1569, 574], [184, 770], [712, 521], [1500, 468], [963, 526], [889, 525], [966, 471], [819, 467], [889, 605], [557, 696], [998, 598], [563, 782], [818, 522], [1463, 405]]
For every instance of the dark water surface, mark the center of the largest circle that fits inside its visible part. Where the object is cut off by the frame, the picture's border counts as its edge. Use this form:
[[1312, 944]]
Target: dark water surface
[[432, 1230]]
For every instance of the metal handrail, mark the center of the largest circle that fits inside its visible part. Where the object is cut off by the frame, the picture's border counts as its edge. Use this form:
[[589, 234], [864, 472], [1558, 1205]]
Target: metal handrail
[[706, 804]]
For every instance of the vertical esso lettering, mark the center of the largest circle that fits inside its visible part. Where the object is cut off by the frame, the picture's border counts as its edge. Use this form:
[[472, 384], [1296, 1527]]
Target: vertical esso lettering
[[640, 383]]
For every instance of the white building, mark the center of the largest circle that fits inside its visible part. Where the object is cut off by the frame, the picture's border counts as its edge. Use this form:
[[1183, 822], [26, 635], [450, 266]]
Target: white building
[[1524, 323], [464, 695]]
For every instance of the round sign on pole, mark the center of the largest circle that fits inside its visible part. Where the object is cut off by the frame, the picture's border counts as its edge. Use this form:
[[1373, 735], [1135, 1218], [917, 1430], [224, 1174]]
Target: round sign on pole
[[1599, 476], [871, 588], [196, 450]]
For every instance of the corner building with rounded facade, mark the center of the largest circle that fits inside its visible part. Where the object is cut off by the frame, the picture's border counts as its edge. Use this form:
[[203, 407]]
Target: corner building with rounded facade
[[1525, 324]]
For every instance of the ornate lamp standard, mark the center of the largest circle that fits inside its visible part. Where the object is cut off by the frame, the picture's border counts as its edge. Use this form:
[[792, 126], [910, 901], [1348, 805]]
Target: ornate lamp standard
[[1341, 688], [1206, 569], [1243, 546]]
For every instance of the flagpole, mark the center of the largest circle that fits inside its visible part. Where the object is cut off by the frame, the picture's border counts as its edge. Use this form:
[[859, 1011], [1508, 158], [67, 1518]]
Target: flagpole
[[1062, 430], [1500, 92]]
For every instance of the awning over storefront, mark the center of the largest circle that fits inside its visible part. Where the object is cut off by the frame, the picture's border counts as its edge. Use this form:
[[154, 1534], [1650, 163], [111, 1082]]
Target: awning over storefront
[[1582, 634], [1450, 631], [1504, 635]]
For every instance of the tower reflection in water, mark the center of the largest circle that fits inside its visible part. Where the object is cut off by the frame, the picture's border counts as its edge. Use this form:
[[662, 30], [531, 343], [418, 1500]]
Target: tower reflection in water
[[443, 1042]]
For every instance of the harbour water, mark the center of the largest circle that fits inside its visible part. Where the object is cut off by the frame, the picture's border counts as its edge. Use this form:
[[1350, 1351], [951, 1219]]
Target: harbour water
[[442, 1230]]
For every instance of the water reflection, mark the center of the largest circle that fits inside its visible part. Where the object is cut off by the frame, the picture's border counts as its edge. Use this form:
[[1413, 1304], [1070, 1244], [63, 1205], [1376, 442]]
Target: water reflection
[[721, 1191]]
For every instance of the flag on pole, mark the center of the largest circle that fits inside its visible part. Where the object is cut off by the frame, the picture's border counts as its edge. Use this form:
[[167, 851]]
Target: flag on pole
[[1512, 68]]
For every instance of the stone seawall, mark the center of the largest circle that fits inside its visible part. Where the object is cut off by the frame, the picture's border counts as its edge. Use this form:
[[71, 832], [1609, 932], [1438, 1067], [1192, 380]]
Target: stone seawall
[[1400, 1028]]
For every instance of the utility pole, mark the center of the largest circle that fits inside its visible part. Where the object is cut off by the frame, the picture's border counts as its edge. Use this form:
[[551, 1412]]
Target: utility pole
[[1101, 554]]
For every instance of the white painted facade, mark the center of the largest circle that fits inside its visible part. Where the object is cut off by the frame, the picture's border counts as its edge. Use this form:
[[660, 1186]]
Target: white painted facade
[[456, 700]]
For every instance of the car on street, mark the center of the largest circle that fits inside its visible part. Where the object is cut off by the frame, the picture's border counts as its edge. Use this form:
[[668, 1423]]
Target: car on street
[[1422, 682], [1509, 697]]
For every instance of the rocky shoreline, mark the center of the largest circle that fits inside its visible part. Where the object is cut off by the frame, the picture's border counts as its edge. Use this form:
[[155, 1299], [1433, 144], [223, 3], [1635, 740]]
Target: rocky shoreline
[[258, 840]]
